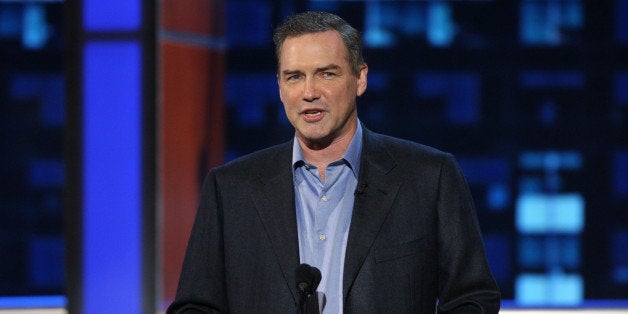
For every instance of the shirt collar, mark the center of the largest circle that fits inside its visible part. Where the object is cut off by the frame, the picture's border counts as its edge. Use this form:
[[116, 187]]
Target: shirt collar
[[351, 155]]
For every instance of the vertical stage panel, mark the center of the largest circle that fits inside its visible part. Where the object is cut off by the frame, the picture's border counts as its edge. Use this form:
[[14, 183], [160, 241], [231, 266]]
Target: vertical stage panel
[[110, 196], [191, 136], [112, 172]]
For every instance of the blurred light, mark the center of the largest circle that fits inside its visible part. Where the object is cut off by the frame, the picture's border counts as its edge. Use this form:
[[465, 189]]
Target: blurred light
[[461, 91], [547, 23], [498, 196], [530, 252], [47, 262], [554, 289], [485, 169], [10, 22], [548, 112], [440, 25], [491, 172], [620, 274], [620, 256], [549, 213], [549, 251], [498, 250], [35, 32], [47, 89], [538, 79], [528, 184], [31, 302], [551, 160], [375, 33]]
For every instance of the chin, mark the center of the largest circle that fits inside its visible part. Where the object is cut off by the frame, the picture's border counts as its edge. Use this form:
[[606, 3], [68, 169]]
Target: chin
[[314, 133], [317, 141]]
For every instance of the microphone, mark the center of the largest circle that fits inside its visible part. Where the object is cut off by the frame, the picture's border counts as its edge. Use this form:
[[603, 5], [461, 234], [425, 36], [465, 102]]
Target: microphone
[[307, 280]]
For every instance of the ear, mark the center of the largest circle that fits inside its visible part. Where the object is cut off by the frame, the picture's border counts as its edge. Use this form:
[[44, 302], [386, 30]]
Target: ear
[[362, 81]]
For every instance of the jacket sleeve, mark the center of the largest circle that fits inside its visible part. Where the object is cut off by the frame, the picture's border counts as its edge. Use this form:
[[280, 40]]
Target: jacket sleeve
[[466, 284], [202, 287]]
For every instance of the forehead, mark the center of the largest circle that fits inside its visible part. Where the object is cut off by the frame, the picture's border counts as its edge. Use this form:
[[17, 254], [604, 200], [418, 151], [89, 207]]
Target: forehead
[[313, 47]]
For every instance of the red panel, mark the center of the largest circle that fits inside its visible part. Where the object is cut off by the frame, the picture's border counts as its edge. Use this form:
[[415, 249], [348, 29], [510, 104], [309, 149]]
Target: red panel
[[193, 16], [191, 138]]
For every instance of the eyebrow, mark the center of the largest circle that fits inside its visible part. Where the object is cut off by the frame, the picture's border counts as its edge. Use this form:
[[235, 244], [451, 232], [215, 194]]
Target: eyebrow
[[331, 66], [290, 72], [328, 67]]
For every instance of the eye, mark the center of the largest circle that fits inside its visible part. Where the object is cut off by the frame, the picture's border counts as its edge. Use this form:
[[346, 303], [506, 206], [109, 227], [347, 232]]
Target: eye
[[293, 77], [329, 74]]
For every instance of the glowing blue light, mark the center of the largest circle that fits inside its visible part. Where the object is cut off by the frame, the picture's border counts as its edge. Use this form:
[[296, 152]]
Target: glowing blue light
[[375, 32], [35, 34], [112, 178], [547, 213], [555, 289], [112, 15], [497, 196], [30, 302], [544, 22], [440, 26]]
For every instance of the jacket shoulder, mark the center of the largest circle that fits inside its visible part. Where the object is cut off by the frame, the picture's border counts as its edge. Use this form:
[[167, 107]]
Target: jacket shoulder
[[401, 149], [262, 160]]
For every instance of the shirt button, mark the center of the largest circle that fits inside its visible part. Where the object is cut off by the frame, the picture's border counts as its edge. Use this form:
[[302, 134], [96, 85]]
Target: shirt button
[[324, 198], [322, 237]]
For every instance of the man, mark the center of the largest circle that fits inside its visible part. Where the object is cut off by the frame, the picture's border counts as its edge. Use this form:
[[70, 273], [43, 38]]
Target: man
[[389, 223]]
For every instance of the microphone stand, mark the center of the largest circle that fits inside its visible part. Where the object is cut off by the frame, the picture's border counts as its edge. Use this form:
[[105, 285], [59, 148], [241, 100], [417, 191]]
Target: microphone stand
[[307, 278], [302, 307]]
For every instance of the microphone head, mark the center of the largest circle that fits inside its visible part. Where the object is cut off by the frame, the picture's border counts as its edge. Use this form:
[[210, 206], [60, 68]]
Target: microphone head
[[307, 278]]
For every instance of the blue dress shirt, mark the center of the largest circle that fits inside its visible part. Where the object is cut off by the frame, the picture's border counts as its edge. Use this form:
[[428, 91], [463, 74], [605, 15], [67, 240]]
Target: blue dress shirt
[[323, 216]]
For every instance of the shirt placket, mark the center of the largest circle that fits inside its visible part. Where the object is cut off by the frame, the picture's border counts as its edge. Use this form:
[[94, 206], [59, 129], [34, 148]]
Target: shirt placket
[[324, 208]]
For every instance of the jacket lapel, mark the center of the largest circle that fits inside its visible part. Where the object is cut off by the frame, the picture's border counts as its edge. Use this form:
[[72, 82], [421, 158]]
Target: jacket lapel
[[276, 207], [373, 200]]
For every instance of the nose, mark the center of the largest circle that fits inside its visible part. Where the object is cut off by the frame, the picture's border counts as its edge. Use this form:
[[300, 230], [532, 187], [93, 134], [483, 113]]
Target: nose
[[310, 90]]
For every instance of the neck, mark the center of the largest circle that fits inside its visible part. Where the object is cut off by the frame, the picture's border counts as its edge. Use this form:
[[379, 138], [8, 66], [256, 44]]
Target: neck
[[322, 155]]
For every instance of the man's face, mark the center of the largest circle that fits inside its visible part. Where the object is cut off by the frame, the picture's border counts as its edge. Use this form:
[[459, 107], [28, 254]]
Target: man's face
[[318, 88]]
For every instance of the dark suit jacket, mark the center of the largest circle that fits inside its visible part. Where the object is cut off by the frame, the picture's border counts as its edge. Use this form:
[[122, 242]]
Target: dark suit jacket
[[414, 240]]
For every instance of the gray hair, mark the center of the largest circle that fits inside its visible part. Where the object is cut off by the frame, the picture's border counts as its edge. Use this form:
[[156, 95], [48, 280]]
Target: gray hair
[[315, 22]]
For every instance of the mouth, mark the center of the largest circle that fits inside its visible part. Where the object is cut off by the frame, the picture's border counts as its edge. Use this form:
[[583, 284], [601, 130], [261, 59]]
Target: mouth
[[312, 112], [312, 115]]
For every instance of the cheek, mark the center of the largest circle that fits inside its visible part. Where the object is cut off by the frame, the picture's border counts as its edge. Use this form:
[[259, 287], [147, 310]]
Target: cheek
[[286, 96], [347, 95], [288, 102]]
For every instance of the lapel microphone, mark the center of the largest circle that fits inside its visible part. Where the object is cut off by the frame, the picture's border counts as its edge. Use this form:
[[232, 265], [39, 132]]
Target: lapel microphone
[[307, 280], [360, 188]]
